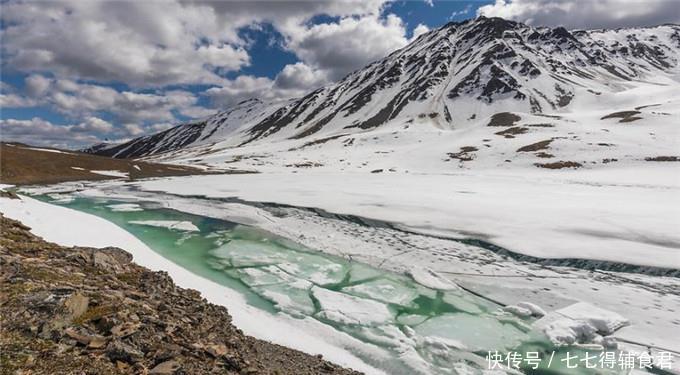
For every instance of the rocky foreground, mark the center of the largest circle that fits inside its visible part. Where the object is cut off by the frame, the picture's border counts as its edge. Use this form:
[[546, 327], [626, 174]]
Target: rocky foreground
[[92, 311]]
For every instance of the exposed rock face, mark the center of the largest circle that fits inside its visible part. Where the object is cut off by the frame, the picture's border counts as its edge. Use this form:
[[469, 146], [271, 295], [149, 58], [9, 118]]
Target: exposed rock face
[[461, 71], [93, 311]]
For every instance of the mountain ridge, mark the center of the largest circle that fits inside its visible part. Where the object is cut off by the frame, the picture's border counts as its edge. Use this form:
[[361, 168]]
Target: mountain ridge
[[454, 75]]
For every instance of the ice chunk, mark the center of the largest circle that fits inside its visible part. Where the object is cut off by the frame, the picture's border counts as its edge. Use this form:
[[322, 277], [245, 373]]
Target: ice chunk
[[411, 319], [184, 226], [258, 276], [478, 333], [125, 207], [346, 309], [562, 330], [316, 269], [431, 279], [362, 272], [242, 253], [460, 303], [518, 311], [535, 309], [292, 298], [385, 290], [604, 321]]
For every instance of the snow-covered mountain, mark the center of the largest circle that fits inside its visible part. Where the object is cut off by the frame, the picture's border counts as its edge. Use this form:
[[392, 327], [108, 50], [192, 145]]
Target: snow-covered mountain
[[485, 73]]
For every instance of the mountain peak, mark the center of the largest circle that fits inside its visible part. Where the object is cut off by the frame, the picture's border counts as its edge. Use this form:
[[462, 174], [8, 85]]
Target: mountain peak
[[447, 78]]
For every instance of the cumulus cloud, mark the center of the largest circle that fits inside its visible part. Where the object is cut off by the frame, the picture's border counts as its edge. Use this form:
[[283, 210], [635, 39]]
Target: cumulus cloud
[[299, 76], [242, 88], [15, 101], [93, 124], [338, 48], [585, 13], [140, 43], [419, 30], [147, 43], [37, 131], [80, 100]]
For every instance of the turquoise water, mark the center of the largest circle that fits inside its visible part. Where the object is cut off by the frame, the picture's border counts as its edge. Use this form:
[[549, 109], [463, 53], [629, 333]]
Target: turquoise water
[[444, 330]]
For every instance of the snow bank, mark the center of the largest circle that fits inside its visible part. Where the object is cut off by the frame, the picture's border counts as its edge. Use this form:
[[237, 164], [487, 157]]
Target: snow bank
[[111, 173], [68, 227]]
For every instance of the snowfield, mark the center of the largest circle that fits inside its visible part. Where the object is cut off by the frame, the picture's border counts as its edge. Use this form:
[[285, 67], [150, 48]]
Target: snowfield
[[541, 214]]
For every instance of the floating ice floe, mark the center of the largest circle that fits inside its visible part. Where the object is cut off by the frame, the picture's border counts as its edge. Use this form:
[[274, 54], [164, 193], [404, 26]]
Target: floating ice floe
[[184, 226], [346, 309], [431, 279], [125, 207]]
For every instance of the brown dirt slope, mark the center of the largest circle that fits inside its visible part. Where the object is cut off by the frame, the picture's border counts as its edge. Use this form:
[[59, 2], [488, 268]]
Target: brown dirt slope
[[92, 311], [21, 165]]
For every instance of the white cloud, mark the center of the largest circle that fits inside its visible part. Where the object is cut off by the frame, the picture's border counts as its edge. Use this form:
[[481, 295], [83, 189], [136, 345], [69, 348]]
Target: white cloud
[[37, 85], [37, 131], [93, 124], [133, 129], [196, 112], [141, 43], [80, 100], [148, 43], [461, 12], [242, 88], [340, 47], [419, 30], [300, 76], [15, 101], [586, 13]]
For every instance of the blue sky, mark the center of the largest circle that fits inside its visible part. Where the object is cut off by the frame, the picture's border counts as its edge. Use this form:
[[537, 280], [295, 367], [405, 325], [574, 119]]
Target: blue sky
[[79, 72]]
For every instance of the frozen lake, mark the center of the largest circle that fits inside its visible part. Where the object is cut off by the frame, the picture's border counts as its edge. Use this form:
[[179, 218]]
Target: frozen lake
[[419, 329]]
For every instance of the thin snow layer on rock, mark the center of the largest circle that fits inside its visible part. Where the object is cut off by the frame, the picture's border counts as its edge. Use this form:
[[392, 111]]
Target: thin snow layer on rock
[[429, 278], [110, 173], [620, 215], [125, 207], [184, 226], [69, 227], [345, 309]]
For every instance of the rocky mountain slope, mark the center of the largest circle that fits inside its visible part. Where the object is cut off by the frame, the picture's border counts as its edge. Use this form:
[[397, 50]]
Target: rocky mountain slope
[[22, 164], [92, 311], [451, 78]]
